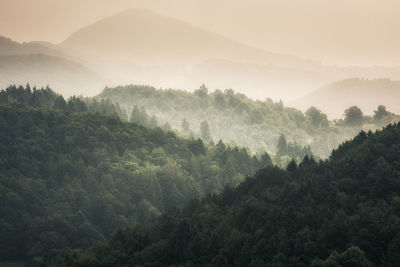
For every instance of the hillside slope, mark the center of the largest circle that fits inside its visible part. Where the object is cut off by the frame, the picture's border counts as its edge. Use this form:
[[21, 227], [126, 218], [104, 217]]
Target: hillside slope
[[9, 47], [70, 176], [233, 117], [41, 70], [344, 211], [334, 98], [41, 64]]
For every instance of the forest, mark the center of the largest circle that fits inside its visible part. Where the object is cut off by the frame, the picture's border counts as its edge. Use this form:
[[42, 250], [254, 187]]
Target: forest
[[155, 133], [237, 119], [342, 211], [73, 172], [100, 182]]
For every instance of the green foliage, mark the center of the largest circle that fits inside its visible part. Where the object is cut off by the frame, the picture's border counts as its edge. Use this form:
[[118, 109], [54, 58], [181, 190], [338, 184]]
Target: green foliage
[[352, 257], [47, 99], [345, 209], [71, 177], [205, 131], [234, 118]]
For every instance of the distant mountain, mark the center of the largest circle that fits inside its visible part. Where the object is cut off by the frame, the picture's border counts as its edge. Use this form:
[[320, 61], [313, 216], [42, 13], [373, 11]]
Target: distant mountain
[[336, 97], [9, 47], [142, 47], [146, 37], [41, 70], [258, 81], [42, 64]]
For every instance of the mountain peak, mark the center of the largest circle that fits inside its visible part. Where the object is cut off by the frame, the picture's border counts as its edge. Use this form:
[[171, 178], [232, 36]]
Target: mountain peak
[[144, 36]]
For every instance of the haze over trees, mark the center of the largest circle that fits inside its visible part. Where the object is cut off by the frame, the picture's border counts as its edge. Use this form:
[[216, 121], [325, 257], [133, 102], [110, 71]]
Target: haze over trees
[[366, 94], [40, 65], [343, 211], [72, 172], [278, 161], [119, 50], [236, 119]]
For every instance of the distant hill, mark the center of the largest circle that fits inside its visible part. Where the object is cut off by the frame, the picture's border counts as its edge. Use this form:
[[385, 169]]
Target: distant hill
[[336, 97], [42, 64], [9, 47], [232, 117], [41, 70], [143, 47]]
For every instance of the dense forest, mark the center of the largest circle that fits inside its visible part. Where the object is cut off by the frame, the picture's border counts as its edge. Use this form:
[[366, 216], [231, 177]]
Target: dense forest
[[100, 182], [342, 211], [237, 119], [72, 172]]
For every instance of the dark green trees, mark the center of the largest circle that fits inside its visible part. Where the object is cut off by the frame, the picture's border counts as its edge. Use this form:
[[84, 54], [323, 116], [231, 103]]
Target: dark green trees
[[71, 177], [343, 211]]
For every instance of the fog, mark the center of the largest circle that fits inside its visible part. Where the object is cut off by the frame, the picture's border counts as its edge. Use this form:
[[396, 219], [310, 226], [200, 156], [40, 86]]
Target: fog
[[283, 50], [342, 32]]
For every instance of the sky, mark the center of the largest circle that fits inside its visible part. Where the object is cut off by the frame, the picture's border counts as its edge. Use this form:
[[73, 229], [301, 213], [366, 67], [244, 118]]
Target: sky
[[337, 32]]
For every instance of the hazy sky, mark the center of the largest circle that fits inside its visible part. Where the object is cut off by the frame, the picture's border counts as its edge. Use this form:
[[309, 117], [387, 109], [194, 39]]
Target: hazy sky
[[362, 32]]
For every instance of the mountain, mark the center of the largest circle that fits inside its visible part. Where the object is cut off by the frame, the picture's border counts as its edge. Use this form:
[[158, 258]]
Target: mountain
[[42, 64], [143, 47], [143, 36], [334, 98], [41, 70], [9, 47], [344, 211], [72, 172]]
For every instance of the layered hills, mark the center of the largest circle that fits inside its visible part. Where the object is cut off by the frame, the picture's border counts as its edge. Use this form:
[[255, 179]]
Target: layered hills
[[366, 94]]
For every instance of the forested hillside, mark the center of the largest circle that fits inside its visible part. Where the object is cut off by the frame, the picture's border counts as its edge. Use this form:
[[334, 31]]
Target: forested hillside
[[72, 172], [343, 211], [236, 119]]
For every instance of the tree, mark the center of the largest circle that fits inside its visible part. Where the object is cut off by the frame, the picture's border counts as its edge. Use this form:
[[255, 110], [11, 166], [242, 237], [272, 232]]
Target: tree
[[75, 104], [316, 117], [185, 125], [202, 92], [166, 126], [382, 116], [282, 145], [60, 103], [380, 113], [265, 160], [352, 257], [219, 100], [139, 116], [153, 121], [197, 147], [291, 166], [205, 131], [353, 116]]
